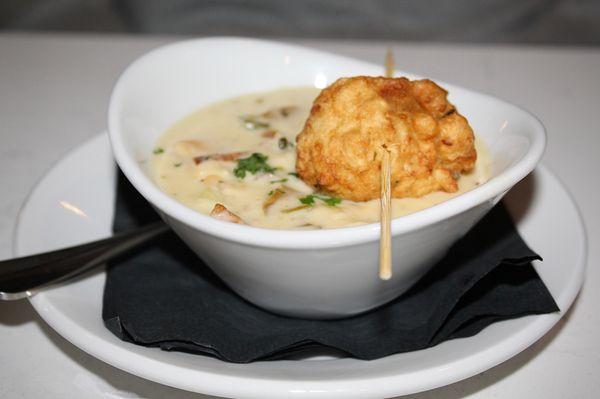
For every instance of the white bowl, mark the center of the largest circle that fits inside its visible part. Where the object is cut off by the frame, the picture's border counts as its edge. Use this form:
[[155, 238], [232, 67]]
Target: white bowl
[[316, 274]]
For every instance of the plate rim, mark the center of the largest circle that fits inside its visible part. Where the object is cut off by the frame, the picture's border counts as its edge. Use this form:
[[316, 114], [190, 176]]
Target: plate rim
[[367, 387]]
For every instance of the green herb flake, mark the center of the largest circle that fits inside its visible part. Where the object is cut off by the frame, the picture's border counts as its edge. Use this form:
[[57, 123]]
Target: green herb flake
[[329, 201], [278, 181], [254, 163], [158, 150], [308, 200], [178, 164], [294, 174]]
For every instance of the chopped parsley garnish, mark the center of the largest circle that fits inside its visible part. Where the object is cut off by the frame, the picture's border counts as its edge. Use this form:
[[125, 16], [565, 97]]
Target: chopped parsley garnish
[[331, 201], [310, 200], [178, 164], [251, 123], [278, 181], [294, 174], [254, 163], [158, 150]]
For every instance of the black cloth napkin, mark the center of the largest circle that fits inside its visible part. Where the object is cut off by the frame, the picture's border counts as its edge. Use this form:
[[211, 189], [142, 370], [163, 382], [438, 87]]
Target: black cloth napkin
[[164, 296]]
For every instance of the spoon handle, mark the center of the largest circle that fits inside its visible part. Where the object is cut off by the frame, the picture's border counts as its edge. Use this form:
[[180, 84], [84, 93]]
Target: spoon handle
[[23, 277]]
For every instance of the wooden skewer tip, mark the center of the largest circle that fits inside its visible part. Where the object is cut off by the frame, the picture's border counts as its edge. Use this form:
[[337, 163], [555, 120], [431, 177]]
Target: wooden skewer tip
[[389, 63], [385, 243]]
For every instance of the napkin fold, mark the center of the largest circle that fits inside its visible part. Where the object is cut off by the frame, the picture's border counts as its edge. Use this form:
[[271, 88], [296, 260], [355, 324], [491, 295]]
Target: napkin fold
[[164, 296]]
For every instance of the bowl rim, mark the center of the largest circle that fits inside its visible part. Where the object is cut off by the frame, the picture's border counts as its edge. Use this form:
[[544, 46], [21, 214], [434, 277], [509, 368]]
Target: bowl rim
[[308, 239]]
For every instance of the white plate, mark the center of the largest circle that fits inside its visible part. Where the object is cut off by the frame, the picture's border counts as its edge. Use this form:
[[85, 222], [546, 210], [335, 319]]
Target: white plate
[[74, 203]]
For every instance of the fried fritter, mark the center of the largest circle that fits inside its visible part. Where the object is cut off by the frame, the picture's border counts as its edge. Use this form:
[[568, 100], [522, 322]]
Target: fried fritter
[[339, 149]]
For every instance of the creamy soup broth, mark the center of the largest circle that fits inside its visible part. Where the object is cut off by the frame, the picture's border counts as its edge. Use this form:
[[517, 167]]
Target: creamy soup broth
[[196, 162]]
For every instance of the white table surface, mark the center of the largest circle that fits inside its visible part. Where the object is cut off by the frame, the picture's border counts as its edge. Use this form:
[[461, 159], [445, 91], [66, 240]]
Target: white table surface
[[54, 92]]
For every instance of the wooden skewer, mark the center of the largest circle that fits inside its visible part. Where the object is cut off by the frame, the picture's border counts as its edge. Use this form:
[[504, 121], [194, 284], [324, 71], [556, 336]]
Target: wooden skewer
[[385, 217], [389, 64]]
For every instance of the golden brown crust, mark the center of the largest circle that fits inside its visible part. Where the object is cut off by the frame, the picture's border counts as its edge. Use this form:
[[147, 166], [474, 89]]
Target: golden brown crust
[[339, 147]]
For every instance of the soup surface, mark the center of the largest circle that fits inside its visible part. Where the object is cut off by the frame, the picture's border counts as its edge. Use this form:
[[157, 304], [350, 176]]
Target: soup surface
[[241, 153]]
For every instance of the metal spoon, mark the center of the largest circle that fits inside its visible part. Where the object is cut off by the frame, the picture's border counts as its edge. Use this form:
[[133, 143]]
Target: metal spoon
[[23, 277]]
